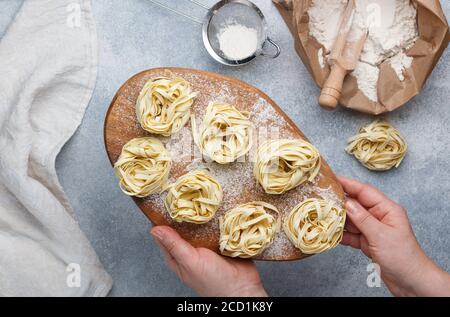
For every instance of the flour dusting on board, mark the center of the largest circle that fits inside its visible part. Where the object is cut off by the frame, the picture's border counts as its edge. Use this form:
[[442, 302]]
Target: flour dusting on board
[[263, 113], [237, 180]]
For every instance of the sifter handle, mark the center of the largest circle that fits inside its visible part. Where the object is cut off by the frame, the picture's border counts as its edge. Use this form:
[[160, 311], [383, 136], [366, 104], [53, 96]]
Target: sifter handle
[[275, 45], [179, 12]]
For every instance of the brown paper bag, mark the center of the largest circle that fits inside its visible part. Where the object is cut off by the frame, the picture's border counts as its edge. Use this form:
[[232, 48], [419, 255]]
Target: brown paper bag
[[434, 37]]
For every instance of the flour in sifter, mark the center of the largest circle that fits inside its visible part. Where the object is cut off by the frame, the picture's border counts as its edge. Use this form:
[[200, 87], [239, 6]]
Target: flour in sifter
[[237, 41]]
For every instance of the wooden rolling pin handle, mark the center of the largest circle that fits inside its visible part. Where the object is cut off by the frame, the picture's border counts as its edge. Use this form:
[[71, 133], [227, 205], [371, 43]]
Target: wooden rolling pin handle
[[331, 90]]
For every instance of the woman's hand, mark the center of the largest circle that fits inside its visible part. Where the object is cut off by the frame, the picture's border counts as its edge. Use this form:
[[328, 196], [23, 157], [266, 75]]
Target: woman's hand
[[381, 229], [206, 272]]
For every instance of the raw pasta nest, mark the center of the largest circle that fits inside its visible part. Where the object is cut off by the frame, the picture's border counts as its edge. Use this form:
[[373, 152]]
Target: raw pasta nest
[[143, 167], [284, 164], [378, 146], [315, 225], [164, 105], [248, 229], [194, 197], [225, 134]]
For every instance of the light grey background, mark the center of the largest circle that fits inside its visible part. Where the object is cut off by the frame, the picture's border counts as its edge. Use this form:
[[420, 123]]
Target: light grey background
[[135, 35]]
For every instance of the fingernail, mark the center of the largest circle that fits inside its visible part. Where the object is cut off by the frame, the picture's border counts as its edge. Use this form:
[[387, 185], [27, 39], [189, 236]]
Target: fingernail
[[158, 234], [351, 207]]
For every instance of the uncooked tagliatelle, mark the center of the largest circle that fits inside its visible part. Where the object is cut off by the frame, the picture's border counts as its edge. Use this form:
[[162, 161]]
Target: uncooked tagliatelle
[[284, 164], [248, 229], [378, 146], [143, 167], [315, 225], [194, 197], [225, 133], [164, 105]]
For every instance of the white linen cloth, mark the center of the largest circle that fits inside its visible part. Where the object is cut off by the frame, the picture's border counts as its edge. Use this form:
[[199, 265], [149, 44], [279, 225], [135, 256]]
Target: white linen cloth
[[48, 68]]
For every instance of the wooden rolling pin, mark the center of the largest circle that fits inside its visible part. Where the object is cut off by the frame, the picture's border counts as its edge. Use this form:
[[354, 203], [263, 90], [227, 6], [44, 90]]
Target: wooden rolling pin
[[343, 59]]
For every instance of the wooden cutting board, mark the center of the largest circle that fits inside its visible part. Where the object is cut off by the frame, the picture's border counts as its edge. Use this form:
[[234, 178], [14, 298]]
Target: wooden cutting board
[[237, 179]]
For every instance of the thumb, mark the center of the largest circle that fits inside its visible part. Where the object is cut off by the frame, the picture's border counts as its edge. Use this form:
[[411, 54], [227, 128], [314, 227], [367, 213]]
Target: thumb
[[179, 249], [369, 226]]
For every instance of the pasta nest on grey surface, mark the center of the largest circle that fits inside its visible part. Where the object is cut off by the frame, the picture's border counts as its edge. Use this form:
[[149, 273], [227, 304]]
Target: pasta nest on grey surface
[[378, 146], [194, 197], [164, 105], [143, 167], [281, 165], [225, 133], [248, 229], [315, 225]]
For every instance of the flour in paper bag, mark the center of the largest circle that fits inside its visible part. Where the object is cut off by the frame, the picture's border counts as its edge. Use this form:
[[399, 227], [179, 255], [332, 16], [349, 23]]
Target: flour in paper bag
[[392, 29]]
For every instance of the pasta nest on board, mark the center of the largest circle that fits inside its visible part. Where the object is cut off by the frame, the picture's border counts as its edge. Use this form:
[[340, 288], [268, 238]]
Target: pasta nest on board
[[248, 229], [281, 165], [225, 133], [143, 167], [164, 105], [315, 225], [378, 146], [194, 197]]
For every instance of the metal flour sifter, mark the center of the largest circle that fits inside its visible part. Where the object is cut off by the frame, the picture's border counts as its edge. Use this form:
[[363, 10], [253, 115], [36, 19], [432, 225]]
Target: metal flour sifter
[[241, 12]]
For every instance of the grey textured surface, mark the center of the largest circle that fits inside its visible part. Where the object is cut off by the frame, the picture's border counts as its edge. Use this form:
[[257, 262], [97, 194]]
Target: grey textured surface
[[135, 35]]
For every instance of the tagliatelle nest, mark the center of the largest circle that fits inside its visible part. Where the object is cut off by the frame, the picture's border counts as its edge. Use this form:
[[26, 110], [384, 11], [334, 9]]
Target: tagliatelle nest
[[225, 133], [315, 225], [143, 167], [194, 197], [284, 164], [164, 104], [248, 229], [378, 146]]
